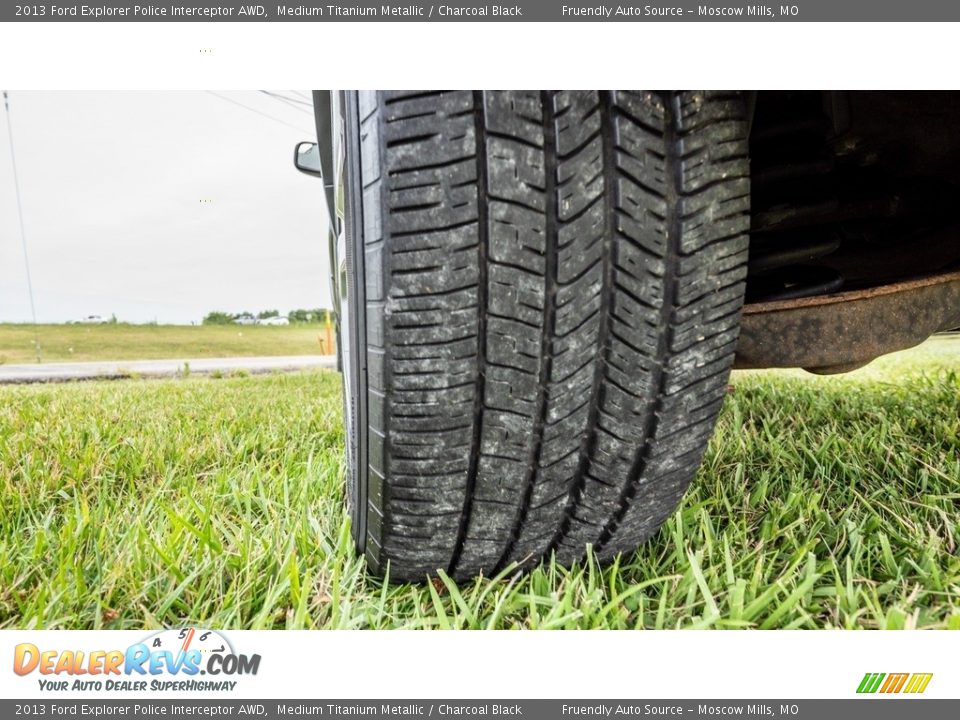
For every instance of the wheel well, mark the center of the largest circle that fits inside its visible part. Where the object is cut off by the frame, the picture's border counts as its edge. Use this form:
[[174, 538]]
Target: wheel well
[[851, 190]]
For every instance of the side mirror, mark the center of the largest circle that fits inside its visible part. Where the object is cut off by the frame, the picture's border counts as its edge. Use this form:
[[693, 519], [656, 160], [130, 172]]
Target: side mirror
[[306, 158]]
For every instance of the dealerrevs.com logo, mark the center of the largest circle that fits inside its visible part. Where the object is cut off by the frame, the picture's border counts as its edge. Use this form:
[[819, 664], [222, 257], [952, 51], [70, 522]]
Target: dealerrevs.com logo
[[182, 660]]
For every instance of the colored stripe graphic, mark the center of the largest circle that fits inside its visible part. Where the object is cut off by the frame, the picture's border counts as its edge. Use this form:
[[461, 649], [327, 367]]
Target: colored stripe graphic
[[894, 683], [870, 682], [918, 682]]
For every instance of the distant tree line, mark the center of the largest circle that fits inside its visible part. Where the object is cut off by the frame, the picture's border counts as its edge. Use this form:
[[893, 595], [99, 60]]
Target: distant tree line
[[298, 316]]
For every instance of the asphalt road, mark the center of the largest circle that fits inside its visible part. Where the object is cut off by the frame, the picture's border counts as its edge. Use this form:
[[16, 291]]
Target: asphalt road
[[64, 372]]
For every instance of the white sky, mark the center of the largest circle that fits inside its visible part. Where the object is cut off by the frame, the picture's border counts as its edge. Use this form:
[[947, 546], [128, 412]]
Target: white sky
[[112, 185]]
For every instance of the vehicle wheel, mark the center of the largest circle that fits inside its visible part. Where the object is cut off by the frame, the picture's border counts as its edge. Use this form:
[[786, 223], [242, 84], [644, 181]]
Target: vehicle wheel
[[546, 293]]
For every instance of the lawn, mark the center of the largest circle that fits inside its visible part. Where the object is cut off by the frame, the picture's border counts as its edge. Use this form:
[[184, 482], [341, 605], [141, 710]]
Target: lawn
[[64, 343], [822, 503]]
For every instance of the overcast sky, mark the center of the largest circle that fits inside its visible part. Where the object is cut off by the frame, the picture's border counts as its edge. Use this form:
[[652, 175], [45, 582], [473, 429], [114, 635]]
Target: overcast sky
[[158, 206]]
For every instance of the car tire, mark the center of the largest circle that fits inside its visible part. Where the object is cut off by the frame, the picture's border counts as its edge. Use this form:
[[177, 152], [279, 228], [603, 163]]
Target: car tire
[[545, 291]]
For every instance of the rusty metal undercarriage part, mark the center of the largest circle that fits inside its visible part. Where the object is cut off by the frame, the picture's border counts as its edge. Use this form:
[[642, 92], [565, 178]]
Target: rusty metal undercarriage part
[[840, 332]]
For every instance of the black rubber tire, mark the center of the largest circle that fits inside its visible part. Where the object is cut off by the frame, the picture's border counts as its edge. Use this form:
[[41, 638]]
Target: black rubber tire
[[547, 287]]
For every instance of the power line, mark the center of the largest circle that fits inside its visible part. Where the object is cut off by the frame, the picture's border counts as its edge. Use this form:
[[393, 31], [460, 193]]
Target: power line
[[289, 103], [23, 233], [258, 112], [298, 105], [297, 98]]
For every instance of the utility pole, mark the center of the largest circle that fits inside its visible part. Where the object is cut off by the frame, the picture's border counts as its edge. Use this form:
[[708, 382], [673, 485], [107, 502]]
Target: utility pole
[[23, 234]]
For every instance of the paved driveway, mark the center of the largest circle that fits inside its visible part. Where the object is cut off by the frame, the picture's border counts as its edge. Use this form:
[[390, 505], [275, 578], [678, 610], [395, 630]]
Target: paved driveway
[[63, 372]]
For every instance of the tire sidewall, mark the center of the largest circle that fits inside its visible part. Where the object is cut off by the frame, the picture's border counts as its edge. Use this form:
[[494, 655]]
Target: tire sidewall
[[353, 301]]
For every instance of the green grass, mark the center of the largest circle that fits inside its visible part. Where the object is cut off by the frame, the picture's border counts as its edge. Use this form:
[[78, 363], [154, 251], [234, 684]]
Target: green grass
[[65, 343], [822, 503]]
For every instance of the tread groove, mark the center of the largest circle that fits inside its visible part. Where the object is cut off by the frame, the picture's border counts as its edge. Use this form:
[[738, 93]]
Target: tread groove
[[482, 215], [547, 331]]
